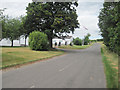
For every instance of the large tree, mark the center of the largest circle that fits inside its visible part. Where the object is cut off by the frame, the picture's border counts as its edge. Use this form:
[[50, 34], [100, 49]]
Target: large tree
[[11, 29], [2, 22], [109, 23], [23, 30], [52, 18], [86, 39]]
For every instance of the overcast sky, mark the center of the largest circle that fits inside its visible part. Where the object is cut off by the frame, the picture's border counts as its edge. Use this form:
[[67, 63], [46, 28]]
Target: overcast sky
[[87, 14]]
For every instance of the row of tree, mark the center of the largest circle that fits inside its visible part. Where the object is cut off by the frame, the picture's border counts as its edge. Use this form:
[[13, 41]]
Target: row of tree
[[12, 28], [85, 41], [52, 18], [109, 23]]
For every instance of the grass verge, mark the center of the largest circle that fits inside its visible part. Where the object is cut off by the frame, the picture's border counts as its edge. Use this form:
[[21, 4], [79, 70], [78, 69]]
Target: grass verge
[[110, 61], [12, 56], [74, 46]]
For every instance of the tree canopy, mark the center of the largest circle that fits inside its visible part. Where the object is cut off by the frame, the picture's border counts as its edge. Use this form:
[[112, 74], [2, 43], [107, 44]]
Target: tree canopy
[[86, 39], [77, 41], [11, 29], [2, 19], [109, 23], [52, 18]]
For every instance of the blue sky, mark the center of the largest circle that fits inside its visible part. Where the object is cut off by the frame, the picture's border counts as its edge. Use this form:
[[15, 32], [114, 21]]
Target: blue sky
[[88, 11]]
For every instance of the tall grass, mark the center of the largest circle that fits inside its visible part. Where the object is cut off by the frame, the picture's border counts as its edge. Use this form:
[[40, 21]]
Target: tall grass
[[110, 71]]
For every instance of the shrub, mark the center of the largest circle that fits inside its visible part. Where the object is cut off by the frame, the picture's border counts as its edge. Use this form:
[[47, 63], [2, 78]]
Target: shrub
[[85, 42], [38, 41], [86, 39], [77, 41], [99, 39], [71, 44]]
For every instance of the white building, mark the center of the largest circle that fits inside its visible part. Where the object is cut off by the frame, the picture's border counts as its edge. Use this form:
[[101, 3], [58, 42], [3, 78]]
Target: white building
[[7, 42], [68, 39]]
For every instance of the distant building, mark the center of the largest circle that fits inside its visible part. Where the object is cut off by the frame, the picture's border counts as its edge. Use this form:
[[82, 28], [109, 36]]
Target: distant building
[[21, 42], [7, 42], [67, 39]]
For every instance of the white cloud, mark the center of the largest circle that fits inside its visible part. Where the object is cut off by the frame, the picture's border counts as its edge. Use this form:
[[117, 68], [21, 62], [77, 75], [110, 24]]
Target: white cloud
[[90, 1], [15, 8], [88, 16], [17, 1]]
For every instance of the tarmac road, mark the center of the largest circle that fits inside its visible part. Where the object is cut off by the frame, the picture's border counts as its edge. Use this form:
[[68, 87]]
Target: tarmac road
[[76, 69]]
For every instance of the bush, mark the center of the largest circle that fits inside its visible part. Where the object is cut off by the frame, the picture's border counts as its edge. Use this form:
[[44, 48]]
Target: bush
[[71, 44], [93, 40], [77, 41], [86, 39], [38, 41], [85, 42], [99, 39]]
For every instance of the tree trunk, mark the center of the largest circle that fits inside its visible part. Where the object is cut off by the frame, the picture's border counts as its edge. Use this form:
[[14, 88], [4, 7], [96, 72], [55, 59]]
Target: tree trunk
[[12, 43], [25, 40], [50, 42], [0, 39], [50, 37]]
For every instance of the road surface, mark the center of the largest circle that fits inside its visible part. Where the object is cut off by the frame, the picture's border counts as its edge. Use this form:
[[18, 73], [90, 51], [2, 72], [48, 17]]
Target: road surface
[[76, 69]]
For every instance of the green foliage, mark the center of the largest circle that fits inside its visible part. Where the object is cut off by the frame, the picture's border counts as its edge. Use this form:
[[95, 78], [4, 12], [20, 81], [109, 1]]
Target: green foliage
[[109, 23], [2, 16], [77, 41], [93, 40], [2, 24], [11, 28], [86, 39], [22, 27], [111, 73], [99, 39], [71, 44], [23, 30], [38, 41], [52, 18]]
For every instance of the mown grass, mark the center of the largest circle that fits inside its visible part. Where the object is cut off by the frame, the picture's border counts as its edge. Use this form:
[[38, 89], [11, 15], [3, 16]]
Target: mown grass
[[12, 56], [74, 47], [110, 61]]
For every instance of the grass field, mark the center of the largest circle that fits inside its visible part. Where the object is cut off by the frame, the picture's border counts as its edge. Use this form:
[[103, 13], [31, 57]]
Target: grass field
[[74, 47], [12, 56], [110, 61]]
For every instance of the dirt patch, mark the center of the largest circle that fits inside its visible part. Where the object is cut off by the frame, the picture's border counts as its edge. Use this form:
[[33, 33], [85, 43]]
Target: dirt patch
[[116, 68]]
